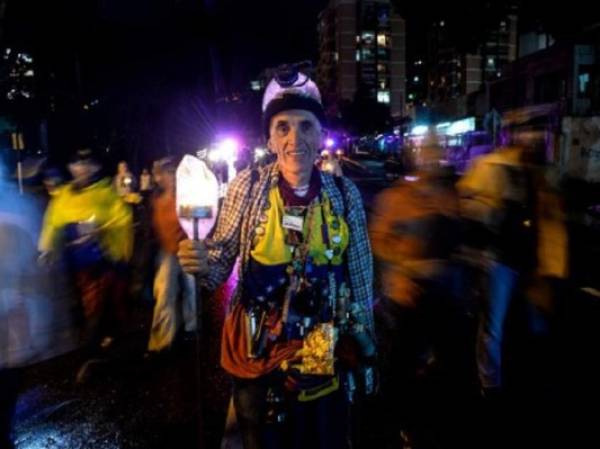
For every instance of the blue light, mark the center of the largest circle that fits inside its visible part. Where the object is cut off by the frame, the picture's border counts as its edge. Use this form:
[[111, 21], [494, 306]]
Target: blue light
[[419, 130]]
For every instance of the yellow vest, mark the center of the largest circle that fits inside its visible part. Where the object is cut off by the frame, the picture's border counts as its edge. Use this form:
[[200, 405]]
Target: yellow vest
[[271, 249]]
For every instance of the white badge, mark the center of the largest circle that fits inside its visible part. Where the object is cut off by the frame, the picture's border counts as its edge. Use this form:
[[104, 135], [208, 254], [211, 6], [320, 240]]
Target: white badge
[[293, 223]]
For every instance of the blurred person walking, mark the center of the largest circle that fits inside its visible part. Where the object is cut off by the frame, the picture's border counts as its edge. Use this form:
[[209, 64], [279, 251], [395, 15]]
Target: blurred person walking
[[89, 225]]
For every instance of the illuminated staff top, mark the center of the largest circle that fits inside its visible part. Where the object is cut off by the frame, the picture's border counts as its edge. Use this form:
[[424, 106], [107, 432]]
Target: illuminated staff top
[[197, 197]]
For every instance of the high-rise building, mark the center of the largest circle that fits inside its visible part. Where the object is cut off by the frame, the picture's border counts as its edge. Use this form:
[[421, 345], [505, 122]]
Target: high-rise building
[[362, 52], [534, 41], [17, 80], [500, 45], [459, 68]]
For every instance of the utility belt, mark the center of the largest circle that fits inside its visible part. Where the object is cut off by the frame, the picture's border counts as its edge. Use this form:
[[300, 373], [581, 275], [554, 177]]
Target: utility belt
[[280, 395]]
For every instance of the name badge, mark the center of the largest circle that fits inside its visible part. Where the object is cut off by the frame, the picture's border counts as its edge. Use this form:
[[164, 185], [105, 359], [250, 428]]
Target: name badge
[[293, 223]]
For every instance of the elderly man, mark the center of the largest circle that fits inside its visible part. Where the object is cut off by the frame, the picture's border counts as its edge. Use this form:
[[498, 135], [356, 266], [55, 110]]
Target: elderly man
[[305, 280]]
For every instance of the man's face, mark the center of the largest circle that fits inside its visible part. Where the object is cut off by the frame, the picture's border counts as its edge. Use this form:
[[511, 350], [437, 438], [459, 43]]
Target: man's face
[[82, 171], [295, 136]]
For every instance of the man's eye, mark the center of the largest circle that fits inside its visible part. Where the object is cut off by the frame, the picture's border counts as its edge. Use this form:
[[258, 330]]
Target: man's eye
[[282, 129], [306, 126]]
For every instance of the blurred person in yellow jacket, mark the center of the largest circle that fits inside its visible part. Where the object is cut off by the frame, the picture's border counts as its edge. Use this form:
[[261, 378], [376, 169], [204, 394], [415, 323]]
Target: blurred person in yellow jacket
[[90, 227], [518, 216]]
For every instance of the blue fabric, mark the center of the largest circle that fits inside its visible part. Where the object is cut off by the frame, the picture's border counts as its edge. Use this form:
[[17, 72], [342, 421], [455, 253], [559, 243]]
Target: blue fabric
[[502, 285], [84, 254]]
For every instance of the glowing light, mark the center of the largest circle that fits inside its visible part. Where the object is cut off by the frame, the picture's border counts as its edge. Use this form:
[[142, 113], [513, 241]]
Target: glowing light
[[329, 142], [228, 149], [197, 196], [383, 96], [419, 130], [461, 126], [25, 58], [259, 153]]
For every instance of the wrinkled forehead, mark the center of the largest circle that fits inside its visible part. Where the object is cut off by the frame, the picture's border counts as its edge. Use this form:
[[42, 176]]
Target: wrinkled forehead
[[295, 117]]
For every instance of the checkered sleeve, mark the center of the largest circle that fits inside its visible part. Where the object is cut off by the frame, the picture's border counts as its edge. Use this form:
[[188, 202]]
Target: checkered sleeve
[[359, 256], [224, 243]]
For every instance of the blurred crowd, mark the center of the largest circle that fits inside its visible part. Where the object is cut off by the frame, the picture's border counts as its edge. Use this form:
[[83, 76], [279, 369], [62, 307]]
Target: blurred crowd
[[460, 264]]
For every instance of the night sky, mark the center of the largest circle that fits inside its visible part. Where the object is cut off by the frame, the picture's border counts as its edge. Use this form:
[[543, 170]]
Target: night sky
[[237, 38], [152, 63]]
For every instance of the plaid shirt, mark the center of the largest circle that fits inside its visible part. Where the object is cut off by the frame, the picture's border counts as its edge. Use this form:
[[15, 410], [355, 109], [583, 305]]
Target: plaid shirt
[[239, 217]]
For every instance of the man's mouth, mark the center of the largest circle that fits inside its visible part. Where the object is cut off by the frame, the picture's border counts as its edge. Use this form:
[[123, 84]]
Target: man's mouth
[[296, 153]]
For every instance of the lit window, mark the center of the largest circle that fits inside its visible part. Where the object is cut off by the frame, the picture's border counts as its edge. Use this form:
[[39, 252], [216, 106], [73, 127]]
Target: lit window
[[442, 23], [25, 58], [28, 73], [383, 96], [381, 40], [411, 96], [416, 79], [255, 85], [368, 37], [491, 62], [584, 81], [357, 39], [358, 55], [336, 56]]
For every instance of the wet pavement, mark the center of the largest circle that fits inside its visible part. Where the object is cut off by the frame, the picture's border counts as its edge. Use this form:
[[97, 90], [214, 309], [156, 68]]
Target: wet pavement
[[128, 402]]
